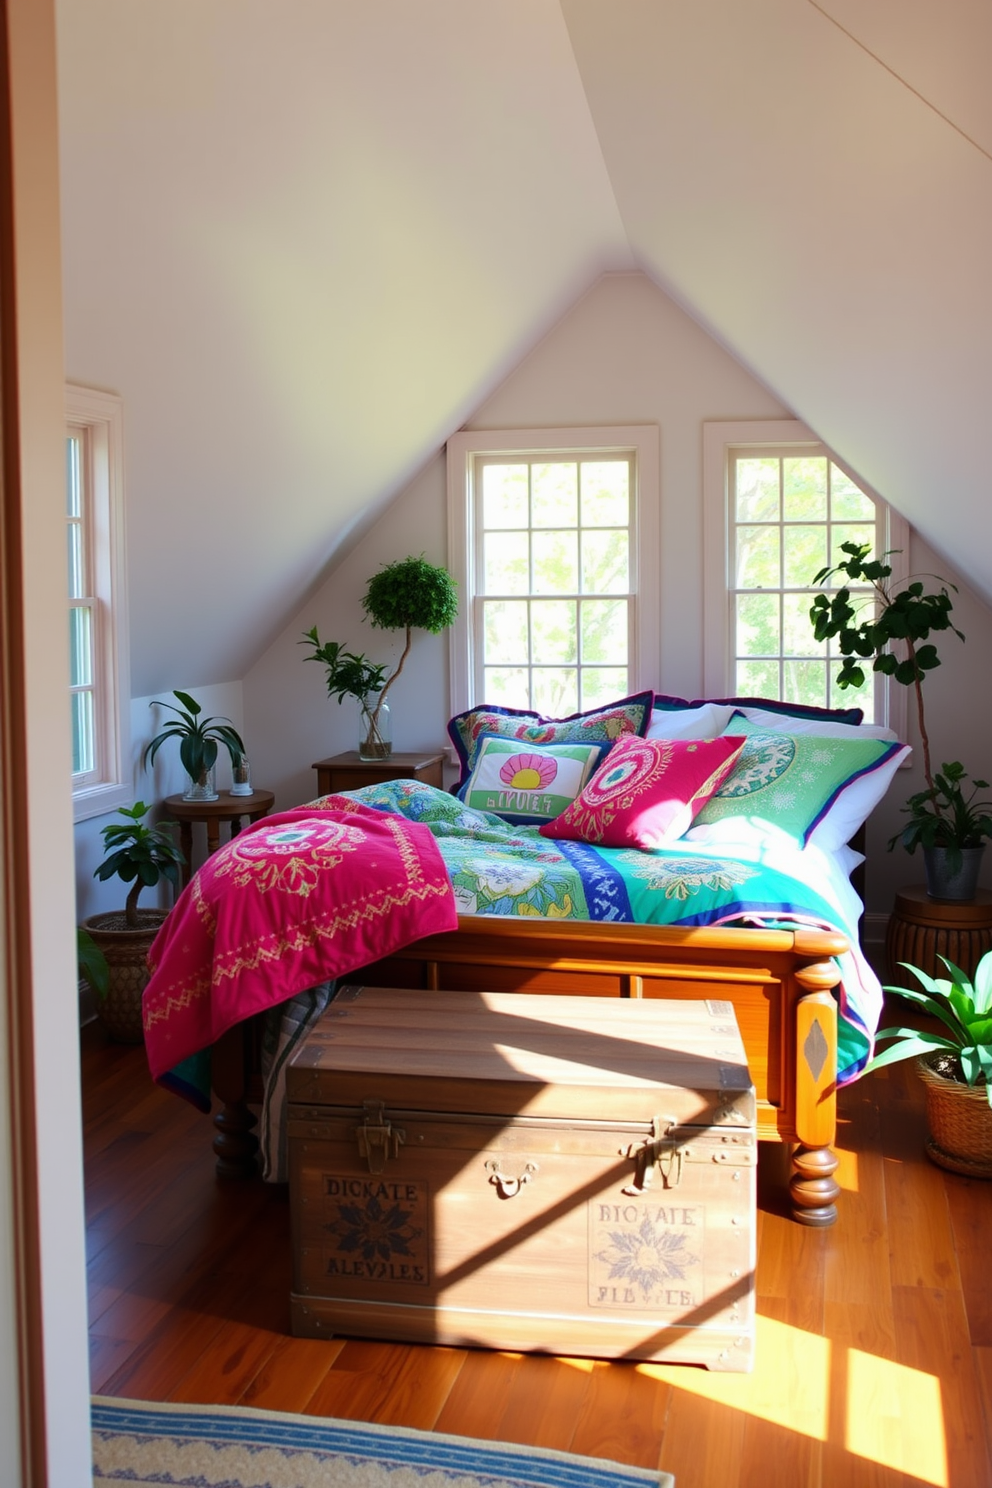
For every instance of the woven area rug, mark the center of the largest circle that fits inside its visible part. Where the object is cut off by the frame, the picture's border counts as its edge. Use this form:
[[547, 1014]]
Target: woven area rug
[[212, 1446]]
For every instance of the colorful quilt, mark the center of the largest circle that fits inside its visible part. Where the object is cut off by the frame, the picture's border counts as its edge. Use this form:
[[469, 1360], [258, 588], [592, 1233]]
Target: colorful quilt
[[294, 900], [499, 869]]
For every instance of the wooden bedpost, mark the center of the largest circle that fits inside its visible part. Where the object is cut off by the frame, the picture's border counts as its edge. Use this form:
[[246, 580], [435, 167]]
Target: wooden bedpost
[[812, 1186], [235, 1144]]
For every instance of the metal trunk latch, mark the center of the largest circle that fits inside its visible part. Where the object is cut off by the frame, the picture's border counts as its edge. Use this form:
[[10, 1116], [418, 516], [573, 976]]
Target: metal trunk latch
[[378, 1139], [656, 1152]]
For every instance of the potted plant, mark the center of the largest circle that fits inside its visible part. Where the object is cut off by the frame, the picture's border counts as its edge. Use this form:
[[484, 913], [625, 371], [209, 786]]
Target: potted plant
[[199, 739], [954, 1061], [951, 828], [140, 856], [941, 821], [407, 595]]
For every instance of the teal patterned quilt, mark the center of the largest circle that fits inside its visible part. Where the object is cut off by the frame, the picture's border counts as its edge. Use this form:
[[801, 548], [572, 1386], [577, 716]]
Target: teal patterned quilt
[[499, 869]]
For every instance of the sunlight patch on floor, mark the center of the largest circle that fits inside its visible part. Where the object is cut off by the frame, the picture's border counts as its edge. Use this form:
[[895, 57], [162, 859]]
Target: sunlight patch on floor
[[790, 1385], [847, 1170], [895, 1417], [893, 1414]]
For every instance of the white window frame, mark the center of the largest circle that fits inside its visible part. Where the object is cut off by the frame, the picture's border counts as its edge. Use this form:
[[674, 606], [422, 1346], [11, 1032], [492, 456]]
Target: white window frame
[[720, 439], [98, 417], [642, 442]]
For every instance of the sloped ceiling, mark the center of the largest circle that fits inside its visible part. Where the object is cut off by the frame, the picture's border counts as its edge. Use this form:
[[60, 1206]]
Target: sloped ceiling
[[813, 181], [305, 241]]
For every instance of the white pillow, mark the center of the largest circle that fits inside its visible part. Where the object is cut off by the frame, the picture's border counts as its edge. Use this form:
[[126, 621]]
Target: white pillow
[[779, 723], [705, 722]]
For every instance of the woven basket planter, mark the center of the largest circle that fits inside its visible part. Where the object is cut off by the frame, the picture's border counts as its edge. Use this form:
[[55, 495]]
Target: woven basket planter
[[126, 951], [960, 1121]]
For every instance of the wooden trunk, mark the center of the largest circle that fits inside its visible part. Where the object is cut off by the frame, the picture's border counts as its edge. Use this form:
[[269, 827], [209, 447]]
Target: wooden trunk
[[572, 1175]]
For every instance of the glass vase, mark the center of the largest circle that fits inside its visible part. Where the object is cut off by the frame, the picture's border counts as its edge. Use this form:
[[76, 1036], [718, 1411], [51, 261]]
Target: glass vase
[[241, 777], [375, 739], [203, 787]]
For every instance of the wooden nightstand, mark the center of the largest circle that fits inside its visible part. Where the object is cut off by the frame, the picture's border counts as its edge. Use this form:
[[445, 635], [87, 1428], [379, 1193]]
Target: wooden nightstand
[[343, 772], [921, 929], [226, 808]]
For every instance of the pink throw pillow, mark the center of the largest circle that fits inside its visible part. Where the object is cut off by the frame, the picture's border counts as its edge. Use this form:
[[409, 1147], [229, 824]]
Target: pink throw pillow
[[647, 791]]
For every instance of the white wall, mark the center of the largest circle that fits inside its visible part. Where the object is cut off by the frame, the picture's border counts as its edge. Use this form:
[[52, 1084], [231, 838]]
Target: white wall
[[152, 786], [626, 353], [289, 720]]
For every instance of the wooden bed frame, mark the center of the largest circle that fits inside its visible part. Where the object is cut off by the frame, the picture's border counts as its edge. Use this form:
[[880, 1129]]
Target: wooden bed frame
[[780, 983]]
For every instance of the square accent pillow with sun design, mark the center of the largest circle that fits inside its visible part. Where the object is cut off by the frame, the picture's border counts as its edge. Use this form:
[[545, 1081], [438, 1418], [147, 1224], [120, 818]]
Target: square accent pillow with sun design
[[647, 792], [528, 784]]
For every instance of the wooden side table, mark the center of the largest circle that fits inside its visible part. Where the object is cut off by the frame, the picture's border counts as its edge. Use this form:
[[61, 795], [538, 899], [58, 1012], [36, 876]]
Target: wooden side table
[[344, 772], [921, 929], [226, 808]]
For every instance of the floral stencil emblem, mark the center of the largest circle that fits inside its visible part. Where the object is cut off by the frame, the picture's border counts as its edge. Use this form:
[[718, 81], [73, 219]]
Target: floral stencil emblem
[[648, 1256], [376, 1232]]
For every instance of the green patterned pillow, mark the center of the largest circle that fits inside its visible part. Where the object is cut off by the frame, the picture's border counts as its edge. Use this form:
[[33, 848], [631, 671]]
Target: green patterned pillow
[[790, 781]]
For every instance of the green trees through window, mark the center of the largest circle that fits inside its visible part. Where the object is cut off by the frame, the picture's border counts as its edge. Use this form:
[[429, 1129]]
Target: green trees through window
[[554, 601], [789, 514]]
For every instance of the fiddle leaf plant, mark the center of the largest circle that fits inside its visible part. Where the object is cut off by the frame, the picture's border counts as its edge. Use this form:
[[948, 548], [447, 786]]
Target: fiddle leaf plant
[[139, 855], [962, 1050], [906, 616], [199, 738]]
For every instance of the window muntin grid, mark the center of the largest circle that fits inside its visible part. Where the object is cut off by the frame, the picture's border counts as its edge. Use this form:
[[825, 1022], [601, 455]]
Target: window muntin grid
[[789, 514], [555, 583], [83, 615]]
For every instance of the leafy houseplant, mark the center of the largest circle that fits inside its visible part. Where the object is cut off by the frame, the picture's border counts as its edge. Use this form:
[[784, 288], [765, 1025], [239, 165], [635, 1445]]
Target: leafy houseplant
[[351, 675], [407, 595], [945, 817], [955, 1061], [199, 739], [941, 819], [139, 856]]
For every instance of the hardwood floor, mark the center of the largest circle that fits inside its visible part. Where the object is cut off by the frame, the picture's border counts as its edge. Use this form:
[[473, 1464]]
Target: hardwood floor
[[874, 1344]]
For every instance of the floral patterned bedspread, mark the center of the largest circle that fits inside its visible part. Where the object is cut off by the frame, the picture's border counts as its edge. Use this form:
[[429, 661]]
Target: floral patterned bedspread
[[499, 869]]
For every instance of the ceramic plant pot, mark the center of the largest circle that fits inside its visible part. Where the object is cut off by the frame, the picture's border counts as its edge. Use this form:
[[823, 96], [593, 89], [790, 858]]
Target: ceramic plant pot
[[957, 880]]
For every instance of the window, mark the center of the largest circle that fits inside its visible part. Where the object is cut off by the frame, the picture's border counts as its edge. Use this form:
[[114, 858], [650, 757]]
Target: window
[[549, 531], [784, 505], [98, 673]]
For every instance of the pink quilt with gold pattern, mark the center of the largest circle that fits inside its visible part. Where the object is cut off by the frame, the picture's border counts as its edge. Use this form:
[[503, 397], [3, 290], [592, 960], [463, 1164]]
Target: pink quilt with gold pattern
[[293, 900]]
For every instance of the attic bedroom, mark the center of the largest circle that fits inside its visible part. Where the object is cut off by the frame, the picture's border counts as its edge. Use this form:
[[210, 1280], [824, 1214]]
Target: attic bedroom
[[303, 249]]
